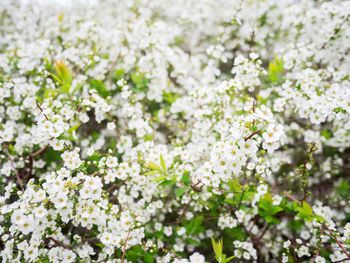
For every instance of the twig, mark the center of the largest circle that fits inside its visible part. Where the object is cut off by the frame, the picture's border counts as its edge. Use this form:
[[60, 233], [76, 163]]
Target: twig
[[340, 260], [42, 111], [184, 211], [126, 240], [251, 135], [336, 239], [319, 247], [251, 39], [80, 183], [291, 198], [241, 199], [39, 151], [308, 157], [67, 147], [325, 226], [31, 159], [263, 233], [14, 167], [336, 30], [58, 243]]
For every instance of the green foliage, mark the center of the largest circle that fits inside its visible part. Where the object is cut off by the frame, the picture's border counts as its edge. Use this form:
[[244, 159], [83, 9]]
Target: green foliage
[[180, 191], [305, 211], [193, 227], [140, 81], [218, 248], [267, 210], [63, 76], [100, 86], [275, 70], [343, 189]]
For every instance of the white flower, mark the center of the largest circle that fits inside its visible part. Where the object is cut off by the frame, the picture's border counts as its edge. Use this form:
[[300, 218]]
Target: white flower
[[57, 144], [112, 161], [276, 200], [320, 259], [90, 151], [111, 126], [197, 258], [262, 189], [40, 212]]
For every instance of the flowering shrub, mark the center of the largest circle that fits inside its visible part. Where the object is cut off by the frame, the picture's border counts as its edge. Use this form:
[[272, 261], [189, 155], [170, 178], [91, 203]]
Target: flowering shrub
[[175, 131]]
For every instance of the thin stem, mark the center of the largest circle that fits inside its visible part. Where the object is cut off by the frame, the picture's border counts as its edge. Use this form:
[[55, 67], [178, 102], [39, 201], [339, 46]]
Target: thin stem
[[42, 111], [336, 239], [126, 240], [319, 247], [14, 167], [308, 157], [251, 135]]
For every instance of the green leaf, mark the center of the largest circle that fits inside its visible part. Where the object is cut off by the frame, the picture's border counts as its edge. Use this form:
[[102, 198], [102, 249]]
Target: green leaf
[[217, 247], [148, 258], [167, 182], [185, 178], [151, 173], [307, 208], [275, 69], [229, 259], [305, 212], [192, 241], [229, 201], [153, 166], [100, 245], [193, 227], [100, 87], [275, 209], [180, 191], [234, 185], [56, 78], [319, 218], [66, 88], [162, 162], [159, 178], [325, 134], [71, 129], [268, 217], [343, 189]]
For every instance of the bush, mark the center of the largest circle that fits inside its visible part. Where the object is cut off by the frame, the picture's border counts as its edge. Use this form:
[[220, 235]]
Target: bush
[[175, 131]]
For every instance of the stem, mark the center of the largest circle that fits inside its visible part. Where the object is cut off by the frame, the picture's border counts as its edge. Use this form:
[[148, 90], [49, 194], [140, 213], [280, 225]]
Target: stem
[[291, 198], [126, 240], [14, 167], [184, 211], [39, 151], [37, 104], [319, 247], [58, 243], [304, 168], [336, 239], [251, 135]]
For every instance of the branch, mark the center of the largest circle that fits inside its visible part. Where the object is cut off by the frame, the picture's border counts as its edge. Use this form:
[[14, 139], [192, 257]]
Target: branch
[[336, 239], [304, 168], [319, 247], [14, 167], [31, 158], [251, 135], [42, 111], [126, 240], [39, 151], [184, 211], [60, 244], [291, 198]]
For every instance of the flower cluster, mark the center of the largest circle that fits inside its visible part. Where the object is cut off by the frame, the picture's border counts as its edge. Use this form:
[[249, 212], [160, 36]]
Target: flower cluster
[[143, 131]]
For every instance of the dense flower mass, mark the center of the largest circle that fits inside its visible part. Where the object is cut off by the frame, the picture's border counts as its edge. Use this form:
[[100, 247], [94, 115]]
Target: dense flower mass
[[183, 131]]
